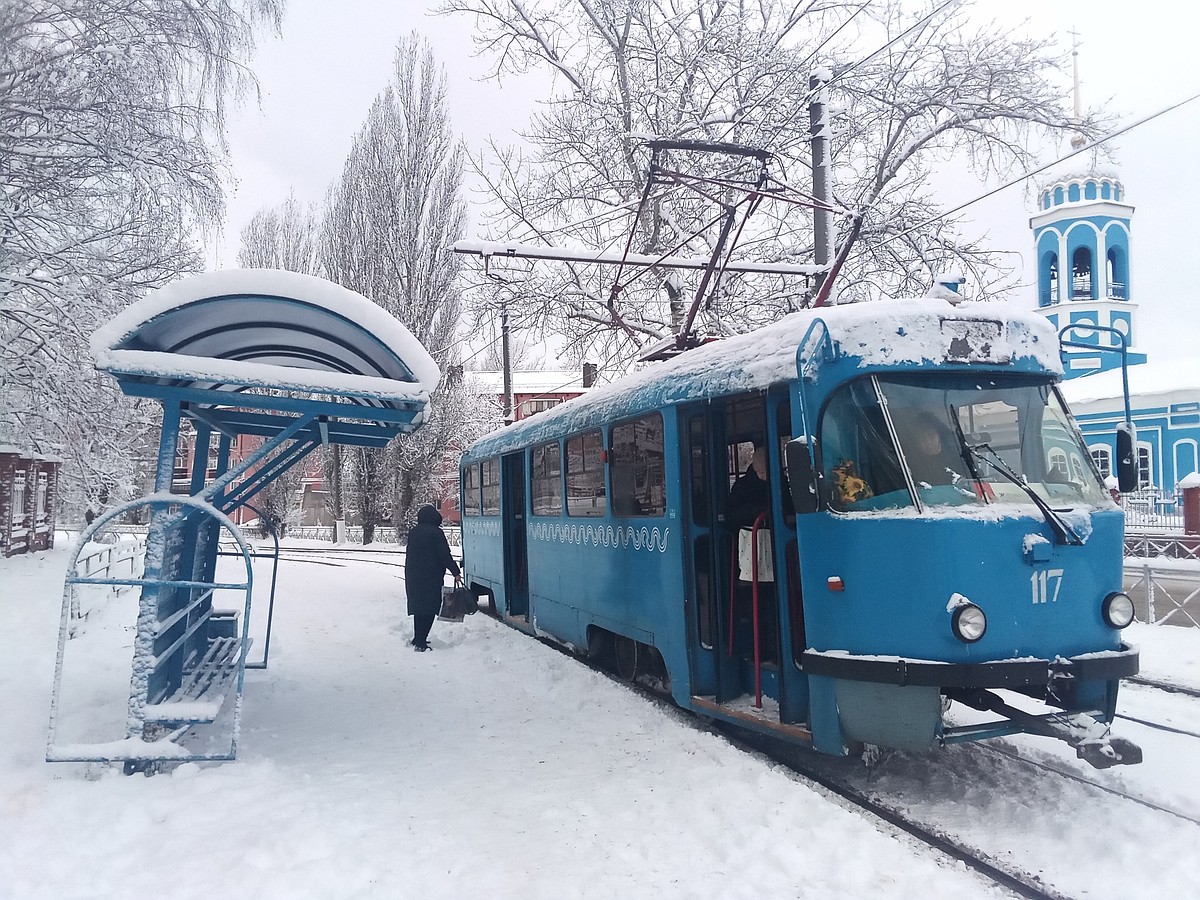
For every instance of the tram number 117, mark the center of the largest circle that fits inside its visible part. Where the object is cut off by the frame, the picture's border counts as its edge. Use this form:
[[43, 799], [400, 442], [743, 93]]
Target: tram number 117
[[1046, 585]]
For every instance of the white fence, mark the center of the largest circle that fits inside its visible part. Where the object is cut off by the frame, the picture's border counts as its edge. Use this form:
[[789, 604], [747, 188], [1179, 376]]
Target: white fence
[[1153, 509]]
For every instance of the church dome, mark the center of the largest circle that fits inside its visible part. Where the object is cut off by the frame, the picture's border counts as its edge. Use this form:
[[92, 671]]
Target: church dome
[[1080, 188]]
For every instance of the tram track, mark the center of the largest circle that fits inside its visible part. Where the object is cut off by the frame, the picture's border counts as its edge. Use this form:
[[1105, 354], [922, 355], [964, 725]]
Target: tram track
[[804, 765], [1081, 779], [1167, 686]]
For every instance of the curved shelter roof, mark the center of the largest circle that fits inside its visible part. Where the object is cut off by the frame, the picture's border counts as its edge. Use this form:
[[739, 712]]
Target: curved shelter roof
[[260, 331]]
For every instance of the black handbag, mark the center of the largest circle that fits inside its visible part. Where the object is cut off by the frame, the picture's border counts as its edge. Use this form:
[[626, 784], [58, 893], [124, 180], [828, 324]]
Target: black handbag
[[456, 603]]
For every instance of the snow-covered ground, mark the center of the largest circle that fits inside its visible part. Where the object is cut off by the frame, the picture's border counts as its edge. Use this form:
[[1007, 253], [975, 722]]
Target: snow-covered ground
[[494, 764]]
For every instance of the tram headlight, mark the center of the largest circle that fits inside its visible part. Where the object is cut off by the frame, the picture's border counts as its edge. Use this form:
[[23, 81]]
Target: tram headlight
[[968, 623], [1117, 610]]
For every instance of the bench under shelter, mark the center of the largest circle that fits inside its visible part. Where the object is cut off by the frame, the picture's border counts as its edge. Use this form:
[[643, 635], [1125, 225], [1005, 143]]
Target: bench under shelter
[[294, 360]]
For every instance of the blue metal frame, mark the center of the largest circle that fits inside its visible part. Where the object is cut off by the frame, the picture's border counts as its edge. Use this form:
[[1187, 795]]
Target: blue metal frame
[[177, 633], [133, 749]]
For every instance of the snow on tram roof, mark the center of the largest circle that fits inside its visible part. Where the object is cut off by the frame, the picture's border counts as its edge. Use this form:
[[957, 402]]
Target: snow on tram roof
[[879, 333], [324, 338]]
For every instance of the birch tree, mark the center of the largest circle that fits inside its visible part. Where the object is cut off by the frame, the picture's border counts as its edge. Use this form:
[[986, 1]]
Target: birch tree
[[111, 127], [390, 222], [919, 86]]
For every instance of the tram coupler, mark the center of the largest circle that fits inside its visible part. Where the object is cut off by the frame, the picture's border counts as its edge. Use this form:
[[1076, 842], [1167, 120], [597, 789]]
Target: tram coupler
[[1091, 738]]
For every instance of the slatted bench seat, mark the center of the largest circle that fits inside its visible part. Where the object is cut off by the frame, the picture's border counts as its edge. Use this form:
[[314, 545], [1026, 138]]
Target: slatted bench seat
[[204, 688]]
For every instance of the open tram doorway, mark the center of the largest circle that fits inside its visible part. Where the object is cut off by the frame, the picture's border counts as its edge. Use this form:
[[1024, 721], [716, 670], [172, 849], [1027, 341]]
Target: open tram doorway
[[516, 553], [738, 655]]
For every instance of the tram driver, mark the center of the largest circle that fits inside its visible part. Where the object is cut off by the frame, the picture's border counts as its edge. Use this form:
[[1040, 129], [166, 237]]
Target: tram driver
[[929, 451]]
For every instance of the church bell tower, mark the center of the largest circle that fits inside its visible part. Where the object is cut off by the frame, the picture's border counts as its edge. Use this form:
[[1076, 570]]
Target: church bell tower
[[1081, 232]]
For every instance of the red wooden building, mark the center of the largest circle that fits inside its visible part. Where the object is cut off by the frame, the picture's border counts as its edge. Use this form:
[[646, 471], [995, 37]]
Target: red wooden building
[[28, 499]]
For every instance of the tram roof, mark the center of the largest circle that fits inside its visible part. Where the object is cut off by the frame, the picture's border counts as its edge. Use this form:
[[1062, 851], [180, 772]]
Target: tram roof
[[879, 334], [262, 328]]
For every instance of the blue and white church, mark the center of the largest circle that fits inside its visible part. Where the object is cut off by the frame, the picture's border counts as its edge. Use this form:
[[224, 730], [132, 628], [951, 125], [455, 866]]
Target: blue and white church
[[1085, 284]]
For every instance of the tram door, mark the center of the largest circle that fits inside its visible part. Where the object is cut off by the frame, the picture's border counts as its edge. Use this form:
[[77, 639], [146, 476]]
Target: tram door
[[706, 481], [512, 518]]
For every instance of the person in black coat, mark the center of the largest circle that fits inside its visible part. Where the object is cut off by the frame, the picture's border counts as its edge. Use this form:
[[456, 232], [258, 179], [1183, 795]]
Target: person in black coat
[[425, 565]]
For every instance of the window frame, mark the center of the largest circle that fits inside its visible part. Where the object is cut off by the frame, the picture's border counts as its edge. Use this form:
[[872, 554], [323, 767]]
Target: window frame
[[490, 501], [472, 489], [537, 479], [640, 507], [592, 477]]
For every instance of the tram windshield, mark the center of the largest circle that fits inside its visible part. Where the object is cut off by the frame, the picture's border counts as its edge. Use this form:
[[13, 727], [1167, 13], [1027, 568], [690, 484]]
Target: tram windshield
[[896, 441]]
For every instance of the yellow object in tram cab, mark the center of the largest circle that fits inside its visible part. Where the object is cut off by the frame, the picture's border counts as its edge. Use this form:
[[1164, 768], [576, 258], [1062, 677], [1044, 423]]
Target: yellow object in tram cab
[[848, 486]]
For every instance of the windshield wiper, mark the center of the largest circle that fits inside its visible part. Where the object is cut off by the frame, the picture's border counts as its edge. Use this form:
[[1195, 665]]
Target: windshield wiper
[[1063, 533]]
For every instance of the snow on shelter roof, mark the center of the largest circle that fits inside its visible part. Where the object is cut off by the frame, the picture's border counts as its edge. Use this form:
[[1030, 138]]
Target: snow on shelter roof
[[878, 333], [264, 328]]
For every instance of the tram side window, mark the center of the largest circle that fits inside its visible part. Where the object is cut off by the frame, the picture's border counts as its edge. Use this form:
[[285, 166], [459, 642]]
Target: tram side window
[[545, 474], [857, 452], [638, 478], [491, 487], [585, 475], [471, 490]]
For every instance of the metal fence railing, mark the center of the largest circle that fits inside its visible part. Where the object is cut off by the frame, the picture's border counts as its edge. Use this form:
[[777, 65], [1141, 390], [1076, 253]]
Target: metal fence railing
[[1164, 593], [384, 534], [1153, 509]]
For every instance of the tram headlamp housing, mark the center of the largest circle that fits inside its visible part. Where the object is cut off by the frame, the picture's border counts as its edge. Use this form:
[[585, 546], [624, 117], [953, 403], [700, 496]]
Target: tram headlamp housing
[[968, 623], [1117, 610]]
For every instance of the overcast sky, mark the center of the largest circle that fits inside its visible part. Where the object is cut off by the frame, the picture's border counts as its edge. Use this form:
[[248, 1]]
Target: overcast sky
[[318, 82]]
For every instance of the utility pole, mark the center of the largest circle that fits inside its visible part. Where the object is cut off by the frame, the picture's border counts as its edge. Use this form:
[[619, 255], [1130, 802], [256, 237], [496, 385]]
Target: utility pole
[[506, 361], [818, 130]]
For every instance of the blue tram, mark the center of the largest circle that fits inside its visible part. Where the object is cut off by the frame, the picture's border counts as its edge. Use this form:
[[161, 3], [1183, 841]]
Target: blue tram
[[933, 557]]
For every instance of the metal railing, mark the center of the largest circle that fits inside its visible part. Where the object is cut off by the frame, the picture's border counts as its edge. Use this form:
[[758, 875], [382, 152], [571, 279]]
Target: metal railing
[[384, 534], [1164, 593], [1152, 509], [124, 558]]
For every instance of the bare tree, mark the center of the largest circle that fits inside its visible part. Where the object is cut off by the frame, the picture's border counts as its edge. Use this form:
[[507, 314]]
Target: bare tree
[[918, 87], [283, 237], [111, 127], [390, 223]]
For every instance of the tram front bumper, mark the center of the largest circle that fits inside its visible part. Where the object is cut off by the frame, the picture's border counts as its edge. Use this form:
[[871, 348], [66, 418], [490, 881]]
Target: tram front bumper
[[1005, 673]]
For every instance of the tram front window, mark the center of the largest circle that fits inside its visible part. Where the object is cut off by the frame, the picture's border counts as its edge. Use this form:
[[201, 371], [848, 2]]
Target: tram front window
[[889, 442]]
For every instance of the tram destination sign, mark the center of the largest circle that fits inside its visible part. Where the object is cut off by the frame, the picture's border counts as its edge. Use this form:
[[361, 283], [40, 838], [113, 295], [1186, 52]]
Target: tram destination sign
[[975, 341]]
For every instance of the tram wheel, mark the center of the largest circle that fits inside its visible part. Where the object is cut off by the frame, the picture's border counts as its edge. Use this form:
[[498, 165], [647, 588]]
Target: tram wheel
[[626, 657]]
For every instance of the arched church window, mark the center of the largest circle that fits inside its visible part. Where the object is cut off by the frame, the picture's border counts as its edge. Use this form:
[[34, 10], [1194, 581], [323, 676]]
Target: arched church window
[[1117, 287], [1102, 457], [1081, 274], [1056, 465], [1145, 463], [1049, 290], [1076, 467]]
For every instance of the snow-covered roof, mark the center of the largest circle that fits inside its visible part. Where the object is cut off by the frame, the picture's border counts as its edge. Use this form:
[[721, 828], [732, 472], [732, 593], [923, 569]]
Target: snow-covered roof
[[880, 333], [271, 329], [548, 381], [1149, 379]]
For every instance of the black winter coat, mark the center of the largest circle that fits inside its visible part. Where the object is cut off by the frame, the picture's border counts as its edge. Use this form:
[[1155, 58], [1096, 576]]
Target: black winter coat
[[426, 562]]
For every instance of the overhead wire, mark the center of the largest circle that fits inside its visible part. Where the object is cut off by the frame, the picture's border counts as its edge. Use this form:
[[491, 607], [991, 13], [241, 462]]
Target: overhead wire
[[1032, 172]]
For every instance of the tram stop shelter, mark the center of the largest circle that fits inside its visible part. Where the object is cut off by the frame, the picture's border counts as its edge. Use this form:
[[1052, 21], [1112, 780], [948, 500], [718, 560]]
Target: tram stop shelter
[[294, 360]]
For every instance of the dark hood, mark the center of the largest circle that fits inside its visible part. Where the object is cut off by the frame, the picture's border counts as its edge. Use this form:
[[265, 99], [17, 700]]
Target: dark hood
[[427, 515]]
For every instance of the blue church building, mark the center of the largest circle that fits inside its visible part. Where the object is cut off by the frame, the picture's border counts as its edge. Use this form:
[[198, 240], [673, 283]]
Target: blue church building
[[1082, 234]]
